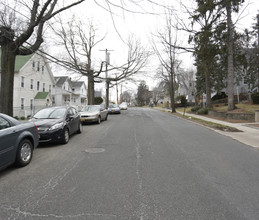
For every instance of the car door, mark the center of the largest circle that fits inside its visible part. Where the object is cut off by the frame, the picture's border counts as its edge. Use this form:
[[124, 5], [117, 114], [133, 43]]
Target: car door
[[103, 112], [8, 136], [73, 120]]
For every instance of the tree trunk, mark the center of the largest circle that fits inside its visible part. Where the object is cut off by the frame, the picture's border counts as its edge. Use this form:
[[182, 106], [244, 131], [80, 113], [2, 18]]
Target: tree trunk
[[230, 88], [7, 78], [208, 89], [171, 88], [257, 52], [90, 90], [107, 93]]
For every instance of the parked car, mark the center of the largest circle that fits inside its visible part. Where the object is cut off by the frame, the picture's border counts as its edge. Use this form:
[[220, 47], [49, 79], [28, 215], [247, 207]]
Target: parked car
[[94, 113], [114, 109], [56, 124], [17, 141], [123, 106]]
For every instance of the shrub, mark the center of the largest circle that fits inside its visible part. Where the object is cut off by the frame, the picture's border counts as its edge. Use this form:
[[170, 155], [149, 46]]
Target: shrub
[[255, 98], [182, 99], [28, 116], [22, 118], [98, 100], [218, 96], [203, 111], [16, 117], [195, 108]]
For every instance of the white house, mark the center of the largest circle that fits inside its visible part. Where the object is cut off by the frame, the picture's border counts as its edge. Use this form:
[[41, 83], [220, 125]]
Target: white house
[[68, 92], [79, 96], [32, 78], [186, 85]]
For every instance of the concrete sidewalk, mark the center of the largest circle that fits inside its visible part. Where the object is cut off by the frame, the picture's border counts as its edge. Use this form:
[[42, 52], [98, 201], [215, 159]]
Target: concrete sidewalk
[[248, 136]]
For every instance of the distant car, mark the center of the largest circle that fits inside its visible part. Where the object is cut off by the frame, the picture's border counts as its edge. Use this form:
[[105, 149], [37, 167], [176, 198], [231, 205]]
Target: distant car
[[56, 124], [17, 141], [93, 113], [114, 109], [123, 106]]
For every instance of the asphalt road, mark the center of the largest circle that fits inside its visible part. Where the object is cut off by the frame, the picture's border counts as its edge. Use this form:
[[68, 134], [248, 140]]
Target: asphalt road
[[142, 165]]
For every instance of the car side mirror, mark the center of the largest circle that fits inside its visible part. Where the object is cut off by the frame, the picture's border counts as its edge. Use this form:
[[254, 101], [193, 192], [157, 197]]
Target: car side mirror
[[69, 116]]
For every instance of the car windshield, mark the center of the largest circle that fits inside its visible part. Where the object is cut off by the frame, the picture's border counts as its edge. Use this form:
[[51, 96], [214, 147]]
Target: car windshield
[[51, 113], [91, 108], [113, 106]]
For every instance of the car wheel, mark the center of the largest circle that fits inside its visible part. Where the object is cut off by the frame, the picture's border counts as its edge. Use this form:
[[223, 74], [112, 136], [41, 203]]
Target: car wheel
[[65, 136], [99, 120], [24, 153], [106, 117], [79, 131]]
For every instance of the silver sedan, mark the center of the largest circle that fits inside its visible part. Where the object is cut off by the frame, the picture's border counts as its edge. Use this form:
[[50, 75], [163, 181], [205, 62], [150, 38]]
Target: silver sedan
[[93, 113]]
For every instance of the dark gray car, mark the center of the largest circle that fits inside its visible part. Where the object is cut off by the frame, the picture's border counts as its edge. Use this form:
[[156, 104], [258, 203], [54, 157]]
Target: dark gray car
[[56, 124], [17, 141]]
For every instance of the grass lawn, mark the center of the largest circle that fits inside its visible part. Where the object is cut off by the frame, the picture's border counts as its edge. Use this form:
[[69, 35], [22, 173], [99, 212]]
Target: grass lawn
[[245, 108]]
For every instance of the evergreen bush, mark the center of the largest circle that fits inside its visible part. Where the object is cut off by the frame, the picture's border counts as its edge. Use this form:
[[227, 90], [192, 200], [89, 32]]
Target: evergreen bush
[[203, 111], [255, 98], [195, 108]]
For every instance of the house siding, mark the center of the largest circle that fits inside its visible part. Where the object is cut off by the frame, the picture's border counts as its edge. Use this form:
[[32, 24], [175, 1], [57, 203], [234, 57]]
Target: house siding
[[38, 73]]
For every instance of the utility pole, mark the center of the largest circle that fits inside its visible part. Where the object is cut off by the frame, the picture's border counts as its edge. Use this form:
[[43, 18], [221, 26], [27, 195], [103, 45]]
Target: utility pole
[[117, 91], [107, 82]]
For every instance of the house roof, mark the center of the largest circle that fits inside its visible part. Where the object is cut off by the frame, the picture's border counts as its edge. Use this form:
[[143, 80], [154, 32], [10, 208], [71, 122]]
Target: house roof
[[60, 80], [20, 61], [41, 95], [77, 83]]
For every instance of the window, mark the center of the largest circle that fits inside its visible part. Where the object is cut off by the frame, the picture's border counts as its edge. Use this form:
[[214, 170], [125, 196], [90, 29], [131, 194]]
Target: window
[[42, 69], [31, 83], [38, 67], [31, 104], [49, 88], [33, 65], [22, 82], [43, 87], [71, 111], [22, 103], [244, 81], [38, 85], [4, 124]]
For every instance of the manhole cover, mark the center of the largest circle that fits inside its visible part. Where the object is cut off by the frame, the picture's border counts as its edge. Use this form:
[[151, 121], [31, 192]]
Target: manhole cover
[[94, 150]]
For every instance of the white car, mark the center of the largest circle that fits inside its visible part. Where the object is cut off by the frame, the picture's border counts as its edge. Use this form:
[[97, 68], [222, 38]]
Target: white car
[[93, 113], [123, 106], [114, 109]]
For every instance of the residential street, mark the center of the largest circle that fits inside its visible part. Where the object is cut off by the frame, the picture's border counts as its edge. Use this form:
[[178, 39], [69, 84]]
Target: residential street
[[142, 164]]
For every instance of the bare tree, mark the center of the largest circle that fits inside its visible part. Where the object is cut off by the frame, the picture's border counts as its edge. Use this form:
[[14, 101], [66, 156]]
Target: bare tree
[[168, 39], [79, 41], [17, 29], [126, 97], [137, 58], [158, 93]]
